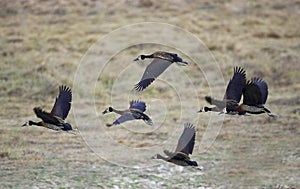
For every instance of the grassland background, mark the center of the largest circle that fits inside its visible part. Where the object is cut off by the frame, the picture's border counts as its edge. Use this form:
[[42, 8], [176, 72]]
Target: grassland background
[[42, 43]]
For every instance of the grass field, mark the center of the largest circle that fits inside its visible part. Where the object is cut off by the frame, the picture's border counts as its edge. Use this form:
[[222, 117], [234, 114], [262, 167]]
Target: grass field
[[43, 44]]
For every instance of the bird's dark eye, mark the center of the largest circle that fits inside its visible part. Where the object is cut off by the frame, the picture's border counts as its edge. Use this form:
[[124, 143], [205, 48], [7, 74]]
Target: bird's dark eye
[[110, 109], [142, 57]]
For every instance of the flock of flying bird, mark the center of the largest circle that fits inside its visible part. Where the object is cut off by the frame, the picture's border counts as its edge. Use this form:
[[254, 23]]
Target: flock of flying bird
[[254, 92]]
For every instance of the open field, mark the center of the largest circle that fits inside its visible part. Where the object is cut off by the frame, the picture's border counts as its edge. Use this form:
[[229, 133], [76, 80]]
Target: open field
[[43, 43]]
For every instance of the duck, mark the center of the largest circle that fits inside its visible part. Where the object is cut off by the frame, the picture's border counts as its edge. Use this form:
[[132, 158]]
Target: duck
[[184, 147], [232, 96], [255, 94], [55, 120], [135, 111], [161, 61]]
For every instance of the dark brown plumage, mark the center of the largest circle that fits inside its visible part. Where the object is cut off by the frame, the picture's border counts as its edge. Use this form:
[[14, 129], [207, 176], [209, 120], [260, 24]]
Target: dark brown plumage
[[255, 95], [161, 61], [60, 110], [232, 95], [184, 147], [135, 111]]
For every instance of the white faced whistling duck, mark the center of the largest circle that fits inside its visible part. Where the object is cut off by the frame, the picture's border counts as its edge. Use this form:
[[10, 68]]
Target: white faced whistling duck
[[59, 112], [255, 95], [184, 147], [135, 111], [161, 61], [232, 95]]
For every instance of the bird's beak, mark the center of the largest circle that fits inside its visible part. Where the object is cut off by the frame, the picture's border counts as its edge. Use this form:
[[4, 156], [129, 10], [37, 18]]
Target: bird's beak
[[25, 124], [201, 110], [105, 111], [136, 59]]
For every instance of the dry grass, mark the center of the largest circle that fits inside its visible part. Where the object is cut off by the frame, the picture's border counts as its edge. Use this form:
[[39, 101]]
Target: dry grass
[[42, 43]]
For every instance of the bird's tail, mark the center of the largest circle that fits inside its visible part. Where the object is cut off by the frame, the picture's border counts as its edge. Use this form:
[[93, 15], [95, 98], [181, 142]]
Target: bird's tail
[[192, 163], [270, 113]]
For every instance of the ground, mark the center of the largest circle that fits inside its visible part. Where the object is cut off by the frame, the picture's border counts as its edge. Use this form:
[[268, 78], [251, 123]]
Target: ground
[[44, 43]]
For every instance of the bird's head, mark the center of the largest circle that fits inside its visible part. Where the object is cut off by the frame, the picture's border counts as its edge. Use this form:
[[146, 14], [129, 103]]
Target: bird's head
[[140, 57], [204, 109], [107, 110], [28, 123], [156, 156], [25, 124]]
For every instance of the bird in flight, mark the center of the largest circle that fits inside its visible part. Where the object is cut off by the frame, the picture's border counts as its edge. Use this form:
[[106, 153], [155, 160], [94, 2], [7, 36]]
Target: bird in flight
[[135, 111], [184, 147], [55, 120], [161, 61], [255, 94], [232, 95]]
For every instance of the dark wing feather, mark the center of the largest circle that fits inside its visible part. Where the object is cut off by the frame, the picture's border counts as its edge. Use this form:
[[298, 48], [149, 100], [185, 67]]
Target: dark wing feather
[[46, 117], [235, 86], [143, 84], [251, 94], [62, 103], [139, 105], [175, 57], [153, 70], [140, 115], [186, 141], [263, 88], [147, 119]]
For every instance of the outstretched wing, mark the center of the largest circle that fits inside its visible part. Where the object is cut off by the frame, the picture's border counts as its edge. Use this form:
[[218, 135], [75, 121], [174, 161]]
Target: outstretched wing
[[186, 141], [137, 105], [263, 87], [62, 103], [153, 70], [255, 92], [235, 86], [219, 103], [125, 117], [46, 117]]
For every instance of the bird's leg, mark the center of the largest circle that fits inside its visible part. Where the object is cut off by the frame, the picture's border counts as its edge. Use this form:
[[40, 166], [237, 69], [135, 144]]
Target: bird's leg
[[273, 115]]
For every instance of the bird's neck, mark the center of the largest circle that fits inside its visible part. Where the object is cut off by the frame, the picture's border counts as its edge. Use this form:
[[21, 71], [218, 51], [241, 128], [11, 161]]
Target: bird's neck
[[35, 123], [158, 156], [146, 56], [117, 111], [211, 109]]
